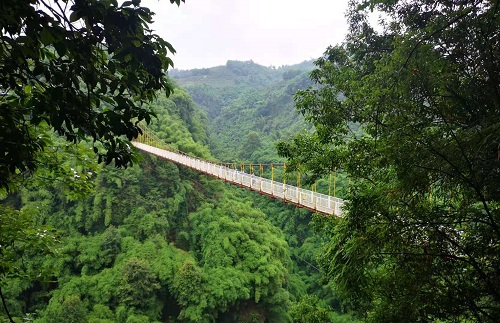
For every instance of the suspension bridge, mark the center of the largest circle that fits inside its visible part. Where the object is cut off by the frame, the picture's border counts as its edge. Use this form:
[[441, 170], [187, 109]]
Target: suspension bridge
[[300, 197]]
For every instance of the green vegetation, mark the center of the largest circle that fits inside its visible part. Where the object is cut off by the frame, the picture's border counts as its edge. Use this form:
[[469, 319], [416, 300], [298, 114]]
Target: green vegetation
[[407, 117], [245, 128], [249, 107], [83, 69], [154, 242], [83, 243], [149, 243], [421, 239]]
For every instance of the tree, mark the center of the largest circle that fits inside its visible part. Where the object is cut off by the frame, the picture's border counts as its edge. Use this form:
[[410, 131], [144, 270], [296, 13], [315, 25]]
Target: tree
[[251, 143], [21, 240], [308, 310], [73, 310], [421, 236], [139, 286], [242, 266], [83, 68]]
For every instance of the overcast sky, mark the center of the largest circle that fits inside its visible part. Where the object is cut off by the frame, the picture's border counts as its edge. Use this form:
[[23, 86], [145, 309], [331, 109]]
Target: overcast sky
[[207, 33]]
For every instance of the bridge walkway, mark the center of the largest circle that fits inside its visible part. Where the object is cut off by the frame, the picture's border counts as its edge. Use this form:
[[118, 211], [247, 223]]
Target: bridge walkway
[[300, 197]]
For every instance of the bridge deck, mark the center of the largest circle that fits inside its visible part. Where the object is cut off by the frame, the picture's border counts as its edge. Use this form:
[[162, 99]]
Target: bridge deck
[[300, 197]]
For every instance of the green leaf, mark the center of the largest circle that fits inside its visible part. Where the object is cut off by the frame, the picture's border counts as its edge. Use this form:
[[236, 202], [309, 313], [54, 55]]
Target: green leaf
[[27, 89], [170, 47], [46, 36], [111, 67], [74, 16], [61, 48]]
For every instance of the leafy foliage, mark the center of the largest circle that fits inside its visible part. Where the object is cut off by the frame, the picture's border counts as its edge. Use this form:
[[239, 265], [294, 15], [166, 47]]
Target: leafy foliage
[[82, 68], [244, 256], [156, 243], [14, 249], [420, 238], [308, 310]]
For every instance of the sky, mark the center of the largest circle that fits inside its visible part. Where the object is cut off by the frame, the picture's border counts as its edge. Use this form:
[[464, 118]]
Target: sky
[[207, 33]]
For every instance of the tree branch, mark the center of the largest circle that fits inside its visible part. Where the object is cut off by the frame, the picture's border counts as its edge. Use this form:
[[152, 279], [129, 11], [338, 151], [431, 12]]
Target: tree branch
[[5, 307]]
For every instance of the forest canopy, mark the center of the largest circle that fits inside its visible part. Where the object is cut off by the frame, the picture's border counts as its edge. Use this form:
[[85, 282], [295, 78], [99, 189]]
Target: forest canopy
[[421, 239]]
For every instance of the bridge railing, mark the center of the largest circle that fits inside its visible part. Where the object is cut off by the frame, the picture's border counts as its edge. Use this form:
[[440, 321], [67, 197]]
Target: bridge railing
[[301, 197]]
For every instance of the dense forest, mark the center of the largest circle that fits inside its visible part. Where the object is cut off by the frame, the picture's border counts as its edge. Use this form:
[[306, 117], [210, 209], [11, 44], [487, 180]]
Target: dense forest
[[158, 242], [404, 113]]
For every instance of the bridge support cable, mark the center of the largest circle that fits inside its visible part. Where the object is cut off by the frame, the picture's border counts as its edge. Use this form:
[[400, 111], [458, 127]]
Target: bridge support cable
[[300, 197]]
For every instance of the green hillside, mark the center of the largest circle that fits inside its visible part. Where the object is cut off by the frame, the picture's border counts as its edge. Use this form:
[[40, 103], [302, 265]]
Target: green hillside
[[249, 106], [158, 242]]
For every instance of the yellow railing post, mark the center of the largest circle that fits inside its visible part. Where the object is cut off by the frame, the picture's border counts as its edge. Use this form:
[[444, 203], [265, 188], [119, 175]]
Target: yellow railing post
[[314, 195], [272, 179], [284, 181], [284, 173], [335, 183]]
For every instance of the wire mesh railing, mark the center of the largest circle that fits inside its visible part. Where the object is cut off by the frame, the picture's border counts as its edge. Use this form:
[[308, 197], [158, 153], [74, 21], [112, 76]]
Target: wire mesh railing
[[300, 197]]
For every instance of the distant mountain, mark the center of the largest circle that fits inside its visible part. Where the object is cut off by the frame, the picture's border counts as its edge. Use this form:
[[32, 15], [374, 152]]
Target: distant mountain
[[249, 106]]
